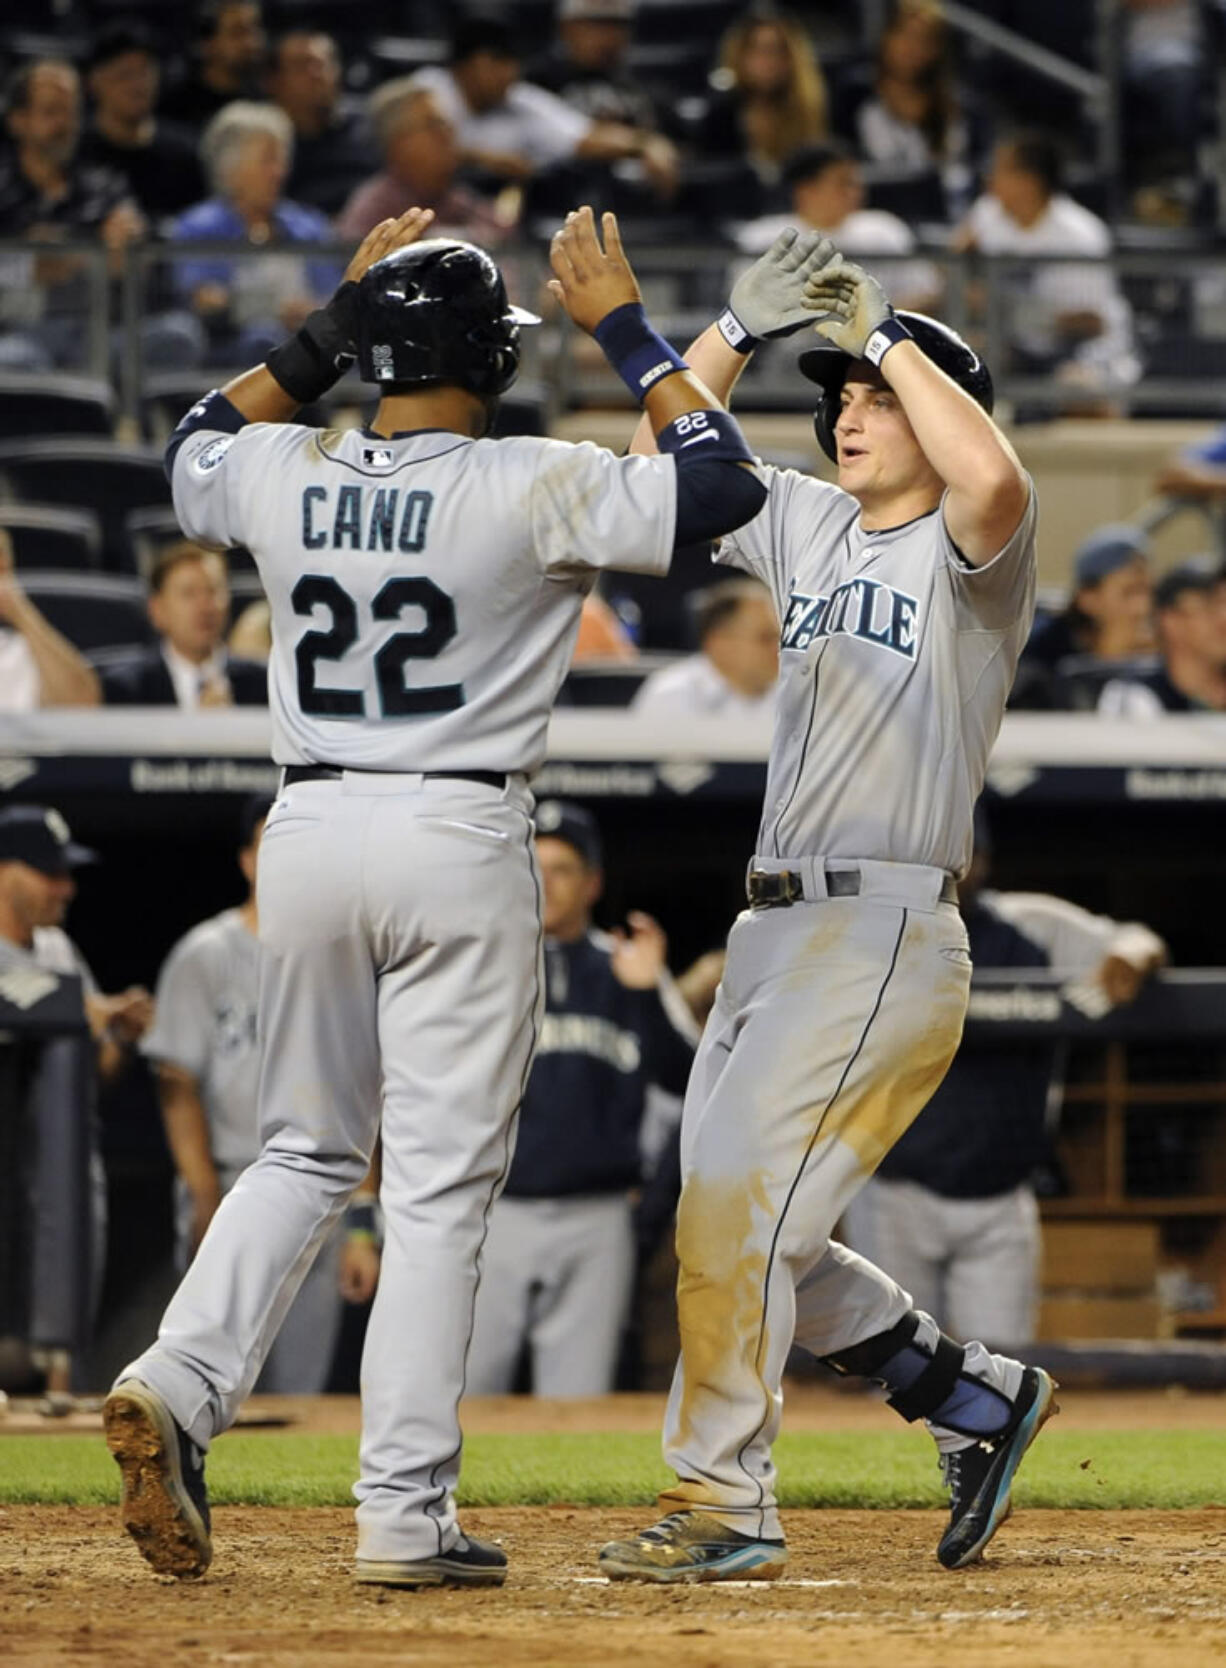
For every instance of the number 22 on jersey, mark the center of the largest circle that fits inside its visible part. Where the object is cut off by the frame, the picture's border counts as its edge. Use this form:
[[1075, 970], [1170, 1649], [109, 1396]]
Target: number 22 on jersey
[[397, 699]]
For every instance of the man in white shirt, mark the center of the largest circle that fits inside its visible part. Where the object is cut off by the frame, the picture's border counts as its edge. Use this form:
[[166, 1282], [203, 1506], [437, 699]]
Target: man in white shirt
[[189, 605], [827, 193], [734, 673], [511, 129], [38, 667], [1068, 317]]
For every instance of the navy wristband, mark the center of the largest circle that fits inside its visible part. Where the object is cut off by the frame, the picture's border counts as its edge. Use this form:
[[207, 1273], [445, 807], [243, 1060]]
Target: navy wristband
[[706, 436], [638, 355], [735, 333], [888, 334]]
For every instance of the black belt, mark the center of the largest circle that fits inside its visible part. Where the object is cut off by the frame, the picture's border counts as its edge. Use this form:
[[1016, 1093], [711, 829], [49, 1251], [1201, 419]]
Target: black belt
[[330, 773], [779, 889]]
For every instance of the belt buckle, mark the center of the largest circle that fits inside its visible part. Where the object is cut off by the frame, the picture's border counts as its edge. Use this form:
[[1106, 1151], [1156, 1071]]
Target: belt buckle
[[778, 889]]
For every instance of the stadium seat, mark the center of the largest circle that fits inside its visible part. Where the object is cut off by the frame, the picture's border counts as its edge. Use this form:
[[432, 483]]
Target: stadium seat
[[149, 531], [525, 410], [48, 404], [96, 475], [45, 537], [94, 611]]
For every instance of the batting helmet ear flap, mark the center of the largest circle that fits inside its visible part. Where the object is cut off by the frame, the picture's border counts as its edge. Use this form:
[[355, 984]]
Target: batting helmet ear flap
[[827, 367], [825, 416]]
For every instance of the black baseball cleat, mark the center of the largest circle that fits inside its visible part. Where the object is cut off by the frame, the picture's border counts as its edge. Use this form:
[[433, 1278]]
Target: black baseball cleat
[[165, 1502], [469, 1563], [979, 1477]]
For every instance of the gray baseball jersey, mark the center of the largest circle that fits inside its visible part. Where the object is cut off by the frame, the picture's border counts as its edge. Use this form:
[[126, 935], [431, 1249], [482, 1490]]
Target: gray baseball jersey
[[206, 1025], [896, 660], [425, 590]]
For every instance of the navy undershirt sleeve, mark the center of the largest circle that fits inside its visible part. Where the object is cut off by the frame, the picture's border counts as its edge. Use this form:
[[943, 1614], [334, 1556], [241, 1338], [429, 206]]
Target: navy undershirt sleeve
[[215, 412], [714, 495]]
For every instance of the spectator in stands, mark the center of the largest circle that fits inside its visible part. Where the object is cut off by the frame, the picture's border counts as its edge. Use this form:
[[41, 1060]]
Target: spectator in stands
[[826, 188], [559, 1260], [229, 54], [587, 68], [912, 124], [189, 604], [1066, 318], [1198, 472], [1109, 619], [421, 159], [771, 95], [602, 634], [157, 159], [952, 1210], [207, 1057], [247, 306], [1166, 76], [38, 667], [1190, 624], [334, 148], [48, 195], [734, 672], [509, 129]]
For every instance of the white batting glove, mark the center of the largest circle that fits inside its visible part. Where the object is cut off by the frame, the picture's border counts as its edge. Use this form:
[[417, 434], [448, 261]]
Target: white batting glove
[[770, 299], [854, 305]]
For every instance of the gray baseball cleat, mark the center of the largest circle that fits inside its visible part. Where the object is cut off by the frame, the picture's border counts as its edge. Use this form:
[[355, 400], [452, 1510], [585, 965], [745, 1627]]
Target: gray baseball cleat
[[980, 1477], [469, 1563], [692, 1546], [165, 1502]]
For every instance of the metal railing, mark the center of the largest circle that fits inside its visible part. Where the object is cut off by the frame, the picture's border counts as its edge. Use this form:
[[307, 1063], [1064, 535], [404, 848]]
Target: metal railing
[[1160, 345]]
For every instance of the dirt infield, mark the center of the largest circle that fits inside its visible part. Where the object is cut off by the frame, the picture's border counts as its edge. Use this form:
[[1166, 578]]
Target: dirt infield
[[1086, 1589], [1058, 1590]]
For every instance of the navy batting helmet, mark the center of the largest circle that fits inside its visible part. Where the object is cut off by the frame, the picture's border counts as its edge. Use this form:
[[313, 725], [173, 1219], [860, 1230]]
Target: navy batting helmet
[[437, 313], [828, 367]]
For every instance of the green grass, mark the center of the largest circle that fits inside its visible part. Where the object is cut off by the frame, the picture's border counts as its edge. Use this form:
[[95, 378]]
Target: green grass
[[1148, 1468]]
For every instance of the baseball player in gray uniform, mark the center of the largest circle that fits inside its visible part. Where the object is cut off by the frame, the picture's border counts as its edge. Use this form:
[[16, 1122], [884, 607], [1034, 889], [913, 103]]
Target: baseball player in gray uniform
[[205, 1047], [906, 593], [425, 584]]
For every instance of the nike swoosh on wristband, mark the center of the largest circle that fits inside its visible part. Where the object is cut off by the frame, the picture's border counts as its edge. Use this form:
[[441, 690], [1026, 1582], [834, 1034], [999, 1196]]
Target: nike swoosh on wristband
[[693, 441]]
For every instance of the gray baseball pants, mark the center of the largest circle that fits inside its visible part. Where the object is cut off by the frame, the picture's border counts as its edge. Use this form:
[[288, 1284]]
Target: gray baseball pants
[[400, 986]]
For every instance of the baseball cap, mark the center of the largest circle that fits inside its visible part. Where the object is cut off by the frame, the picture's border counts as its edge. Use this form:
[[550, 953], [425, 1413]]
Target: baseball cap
[[596, 11], [1202, 573], [39, 836], [560, 819], [1107, 549]]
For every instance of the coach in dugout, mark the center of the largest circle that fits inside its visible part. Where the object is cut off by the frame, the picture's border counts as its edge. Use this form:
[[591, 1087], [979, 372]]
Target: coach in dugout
[[558, 1264], [952, 1212]]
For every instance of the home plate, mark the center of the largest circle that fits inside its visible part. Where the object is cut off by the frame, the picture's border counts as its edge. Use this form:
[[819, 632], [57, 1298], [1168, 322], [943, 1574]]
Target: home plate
[[604, 1581]]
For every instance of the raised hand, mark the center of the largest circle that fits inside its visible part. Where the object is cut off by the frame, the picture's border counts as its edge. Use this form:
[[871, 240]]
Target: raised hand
[[853, 304], [639, 955], [590, 279], [770, 299], [386, 237]]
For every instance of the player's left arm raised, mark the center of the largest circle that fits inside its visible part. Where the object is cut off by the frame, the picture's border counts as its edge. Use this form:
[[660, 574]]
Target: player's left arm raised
[[988, 488]]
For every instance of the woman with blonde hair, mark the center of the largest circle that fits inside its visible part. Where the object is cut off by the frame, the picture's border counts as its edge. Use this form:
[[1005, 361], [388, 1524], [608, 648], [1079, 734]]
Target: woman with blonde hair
[[771, 96]]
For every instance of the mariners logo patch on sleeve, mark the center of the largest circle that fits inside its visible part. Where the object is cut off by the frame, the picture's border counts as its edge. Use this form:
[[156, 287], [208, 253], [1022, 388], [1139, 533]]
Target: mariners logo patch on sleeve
[[212, 454]]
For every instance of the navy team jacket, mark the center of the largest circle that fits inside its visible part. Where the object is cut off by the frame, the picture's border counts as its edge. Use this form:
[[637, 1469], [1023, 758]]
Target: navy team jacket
[[984, 1130], [600, 1046]]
